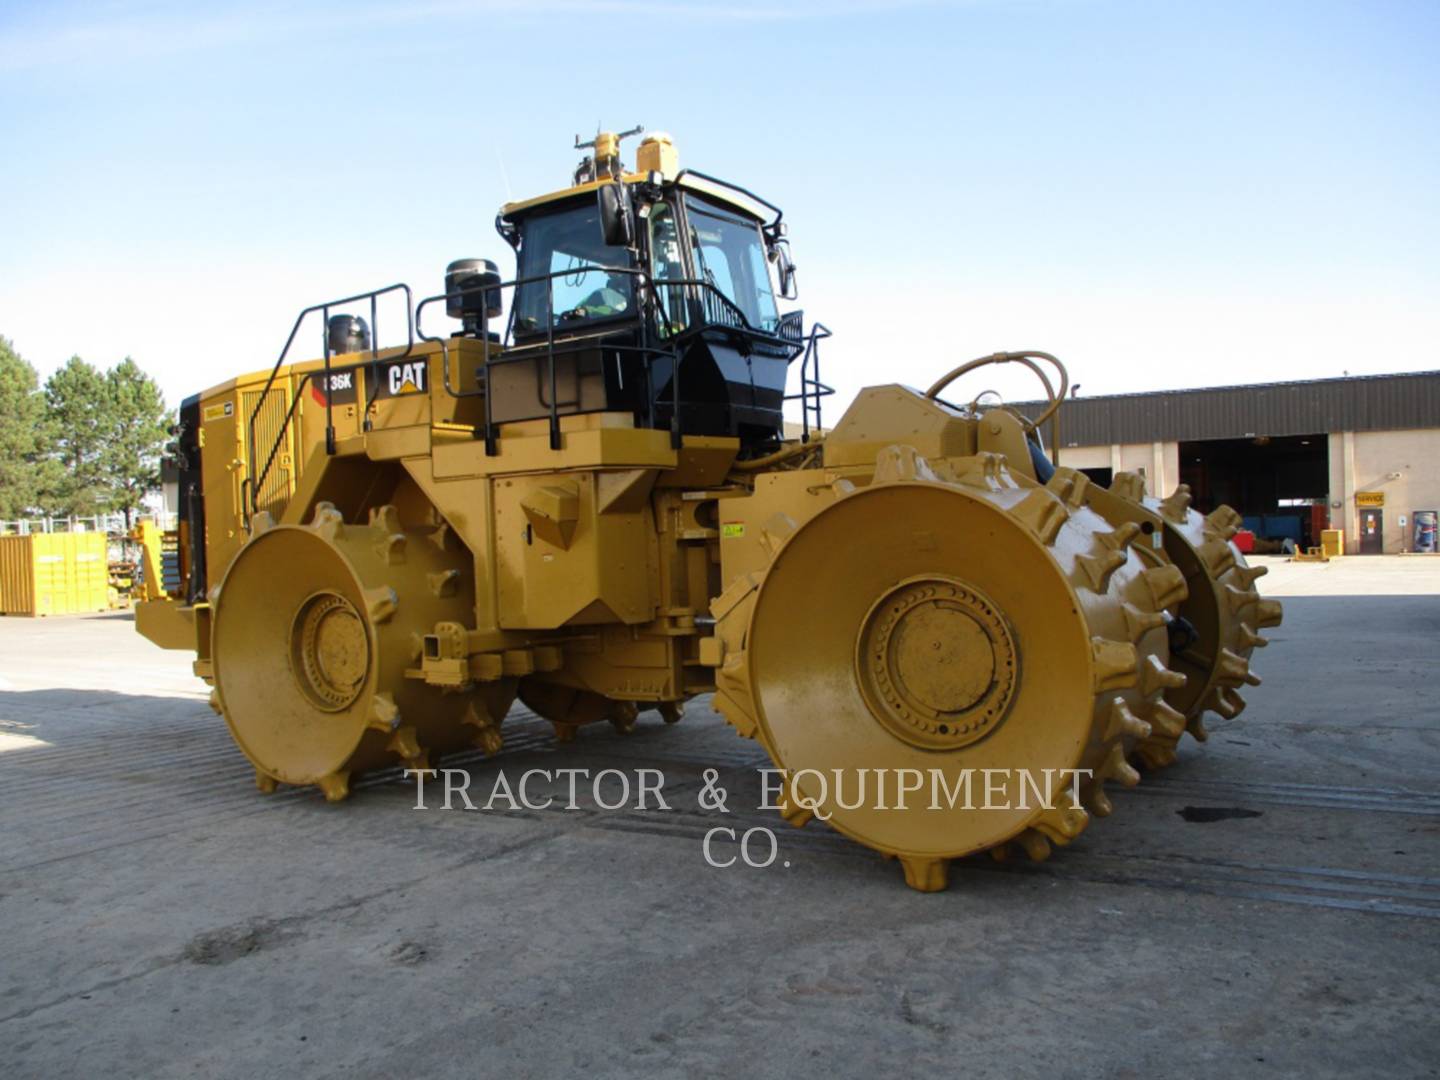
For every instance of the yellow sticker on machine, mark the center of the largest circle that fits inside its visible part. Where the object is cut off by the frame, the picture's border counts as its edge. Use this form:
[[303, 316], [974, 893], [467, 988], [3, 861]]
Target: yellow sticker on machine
[[732, 530], [219, 412]]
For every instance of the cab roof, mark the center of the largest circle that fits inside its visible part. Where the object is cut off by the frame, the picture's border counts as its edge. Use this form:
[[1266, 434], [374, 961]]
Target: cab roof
[[734, 198]]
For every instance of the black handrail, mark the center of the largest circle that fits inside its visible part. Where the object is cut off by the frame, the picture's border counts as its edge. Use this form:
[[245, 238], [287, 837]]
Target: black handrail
[[488, 361], [736, 188], [717, 310], [255, 483], [810, 362], [714, 305]]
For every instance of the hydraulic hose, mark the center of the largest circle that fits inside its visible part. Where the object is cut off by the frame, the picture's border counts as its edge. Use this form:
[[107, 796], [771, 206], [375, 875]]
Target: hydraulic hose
[[783, 454], [1027, 358]]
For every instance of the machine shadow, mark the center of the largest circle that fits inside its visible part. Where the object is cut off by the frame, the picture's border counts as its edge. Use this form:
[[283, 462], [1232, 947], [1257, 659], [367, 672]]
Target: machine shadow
[[59, 717]]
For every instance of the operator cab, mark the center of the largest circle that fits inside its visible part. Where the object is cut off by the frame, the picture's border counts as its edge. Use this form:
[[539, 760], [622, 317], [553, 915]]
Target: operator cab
[[627, 280]]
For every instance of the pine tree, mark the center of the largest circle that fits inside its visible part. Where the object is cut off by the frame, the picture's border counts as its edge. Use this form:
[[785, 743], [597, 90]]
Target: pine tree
[[77, 403], [25, 466], [137, 422]]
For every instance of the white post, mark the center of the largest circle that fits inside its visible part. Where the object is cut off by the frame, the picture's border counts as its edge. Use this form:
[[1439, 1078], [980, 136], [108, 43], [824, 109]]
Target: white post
[[1352, 512]]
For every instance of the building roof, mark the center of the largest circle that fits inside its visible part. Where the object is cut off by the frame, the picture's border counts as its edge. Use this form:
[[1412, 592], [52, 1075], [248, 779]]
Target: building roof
[[1311, 407]]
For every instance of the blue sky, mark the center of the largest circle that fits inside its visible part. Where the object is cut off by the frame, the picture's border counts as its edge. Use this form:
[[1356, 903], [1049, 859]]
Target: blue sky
[[1165, 195]]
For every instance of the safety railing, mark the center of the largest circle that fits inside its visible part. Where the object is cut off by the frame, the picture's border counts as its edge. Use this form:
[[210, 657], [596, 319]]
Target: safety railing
[[113, 524], [253, 484], [495, 353], [812, 389], [710, 309]]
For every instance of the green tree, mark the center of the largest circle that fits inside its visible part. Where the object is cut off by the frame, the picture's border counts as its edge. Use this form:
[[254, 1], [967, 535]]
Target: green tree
[[25, 465], [136, 427], [77, 403]]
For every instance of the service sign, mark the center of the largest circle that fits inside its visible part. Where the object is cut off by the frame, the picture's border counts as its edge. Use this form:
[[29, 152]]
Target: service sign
[[1370, 498]]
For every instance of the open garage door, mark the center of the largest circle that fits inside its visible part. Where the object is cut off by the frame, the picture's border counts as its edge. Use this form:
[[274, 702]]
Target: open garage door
[[1279, 485]]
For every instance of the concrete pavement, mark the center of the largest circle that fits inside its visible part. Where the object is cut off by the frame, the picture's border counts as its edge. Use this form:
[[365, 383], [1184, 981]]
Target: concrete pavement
[[1270, 906]]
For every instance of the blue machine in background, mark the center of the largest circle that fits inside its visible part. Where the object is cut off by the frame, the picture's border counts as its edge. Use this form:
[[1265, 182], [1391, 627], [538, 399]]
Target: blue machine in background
[[1275, 526]]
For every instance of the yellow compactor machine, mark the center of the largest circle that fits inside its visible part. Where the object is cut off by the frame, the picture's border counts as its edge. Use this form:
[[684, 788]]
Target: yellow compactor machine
[[584, 497]]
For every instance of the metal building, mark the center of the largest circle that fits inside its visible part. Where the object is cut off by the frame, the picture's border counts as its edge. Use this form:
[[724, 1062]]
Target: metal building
[[1360, 454]]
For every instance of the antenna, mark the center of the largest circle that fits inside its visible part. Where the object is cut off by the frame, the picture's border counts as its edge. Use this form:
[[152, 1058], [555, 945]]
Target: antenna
[[606, 159], [589, 144]]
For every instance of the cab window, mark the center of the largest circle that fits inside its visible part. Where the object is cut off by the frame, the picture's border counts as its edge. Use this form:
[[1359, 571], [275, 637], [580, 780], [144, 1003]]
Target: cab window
[[730, 257], [667, 263], [584, 287]]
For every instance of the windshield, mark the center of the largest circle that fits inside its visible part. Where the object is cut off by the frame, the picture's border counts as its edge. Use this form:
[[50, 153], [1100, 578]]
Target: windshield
[[730, 255], [569, 244]]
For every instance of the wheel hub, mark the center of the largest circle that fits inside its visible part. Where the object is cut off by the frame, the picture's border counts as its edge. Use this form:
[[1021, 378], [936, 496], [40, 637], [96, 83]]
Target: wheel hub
[[331, 651], [936, 662]]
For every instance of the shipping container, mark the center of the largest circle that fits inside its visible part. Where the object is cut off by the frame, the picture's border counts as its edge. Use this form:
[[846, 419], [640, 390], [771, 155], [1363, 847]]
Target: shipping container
[[54, 574]]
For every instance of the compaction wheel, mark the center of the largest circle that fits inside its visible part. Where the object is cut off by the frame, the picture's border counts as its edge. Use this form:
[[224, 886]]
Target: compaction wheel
[[1221, 605], [313, 629], [943, 621]]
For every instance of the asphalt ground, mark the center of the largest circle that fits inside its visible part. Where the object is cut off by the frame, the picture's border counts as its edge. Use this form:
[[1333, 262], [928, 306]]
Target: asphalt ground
[[1269, 906]]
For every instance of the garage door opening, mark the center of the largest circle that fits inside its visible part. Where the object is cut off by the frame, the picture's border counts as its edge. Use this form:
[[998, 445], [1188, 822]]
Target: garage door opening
[[1278, 484]]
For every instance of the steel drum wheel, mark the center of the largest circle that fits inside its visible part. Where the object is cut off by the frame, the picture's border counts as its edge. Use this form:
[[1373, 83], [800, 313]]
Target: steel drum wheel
[[944, 622], [313, 628]]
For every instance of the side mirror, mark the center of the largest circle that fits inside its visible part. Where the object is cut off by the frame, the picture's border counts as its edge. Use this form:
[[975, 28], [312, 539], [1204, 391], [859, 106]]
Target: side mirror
[[617, 214], [786, 270]]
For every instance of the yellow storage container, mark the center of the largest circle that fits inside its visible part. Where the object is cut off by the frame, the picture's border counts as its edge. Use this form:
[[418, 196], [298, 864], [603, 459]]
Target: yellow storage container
[[54, 574], [1332, 542]]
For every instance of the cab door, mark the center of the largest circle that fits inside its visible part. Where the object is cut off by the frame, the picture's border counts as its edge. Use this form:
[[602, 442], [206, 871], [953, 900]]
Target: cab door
[[668, 264]]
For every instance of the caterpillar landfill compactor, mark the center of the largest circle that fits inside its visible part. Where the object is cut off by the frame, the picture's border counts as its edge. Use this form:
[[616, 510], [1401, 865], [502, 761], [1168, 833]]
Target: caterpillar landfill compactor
[[584, 496]]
